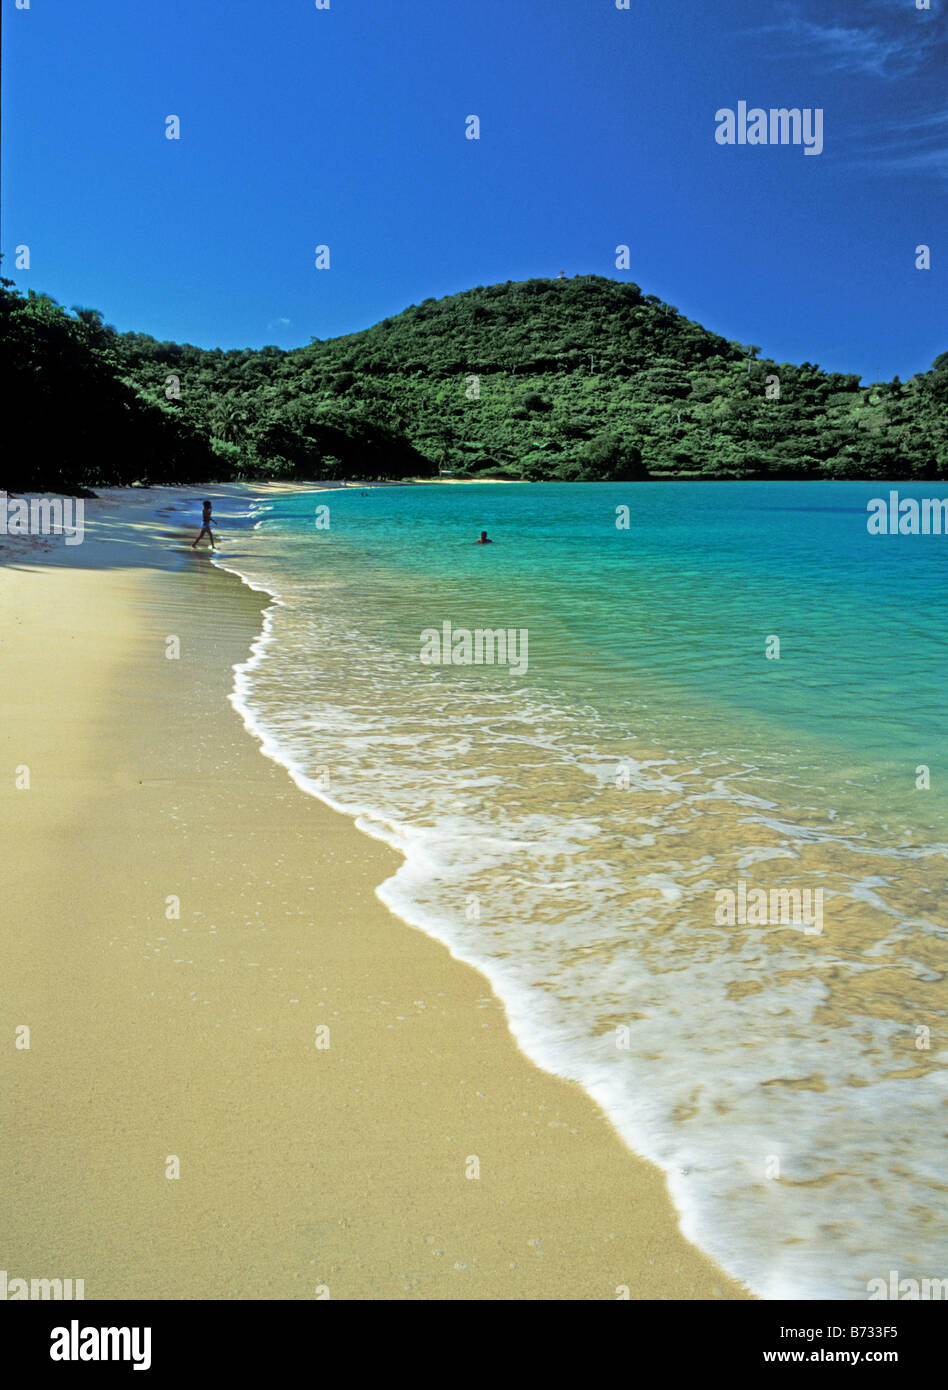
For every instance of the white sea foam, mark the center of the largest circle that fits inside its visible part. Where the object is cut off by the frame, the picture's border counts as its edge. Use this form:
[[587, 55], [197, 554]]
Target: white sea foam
[[795, 1152]]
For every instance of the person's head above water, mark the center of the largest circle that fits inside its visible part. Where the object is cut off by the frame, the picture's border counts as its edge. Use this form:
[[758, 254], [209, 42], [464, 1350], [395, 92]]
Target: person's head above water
[[484, 540]]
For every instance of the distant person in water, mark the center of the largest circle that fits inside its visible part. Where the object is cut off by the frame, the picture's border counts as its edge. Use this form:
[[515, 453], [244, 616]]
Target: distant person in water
[[484, 540], [206, 520]]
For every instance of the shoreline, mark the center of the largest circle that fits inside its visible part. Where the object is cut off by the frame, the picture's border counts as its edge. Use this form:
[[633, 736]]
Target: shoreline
[[281, 1191]]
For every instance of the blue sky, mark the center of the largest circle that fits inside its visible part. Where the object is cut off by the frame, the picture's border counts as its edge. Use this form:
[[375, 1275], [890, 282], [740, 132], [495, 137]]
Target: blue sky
[[346, 127]]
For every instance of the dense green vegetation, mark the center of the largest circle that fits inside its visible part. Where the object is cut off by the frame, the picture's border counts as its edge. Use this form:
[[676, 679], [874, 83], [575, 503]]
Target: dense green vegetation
[[575, 378]]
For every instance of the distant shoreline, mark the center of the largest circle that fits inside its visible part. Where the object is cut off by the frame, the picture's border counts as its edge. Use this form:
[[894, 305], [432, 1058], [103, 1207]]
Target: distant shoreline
[[296, 485]]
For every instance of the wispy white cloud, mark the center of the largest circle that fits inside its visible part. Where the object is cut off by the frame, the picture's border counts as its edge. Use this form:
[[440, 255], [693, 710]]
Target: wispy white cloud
[[926, 161], [930, 160], [896, 49], [894, 41], [918, 143], [933, 120], [868, 50]]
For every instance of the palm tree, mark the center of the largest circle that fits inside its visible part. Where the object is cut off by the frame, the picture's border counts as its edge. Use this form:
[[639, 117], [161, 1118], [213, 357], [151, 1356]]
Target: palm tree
[[229, 421]]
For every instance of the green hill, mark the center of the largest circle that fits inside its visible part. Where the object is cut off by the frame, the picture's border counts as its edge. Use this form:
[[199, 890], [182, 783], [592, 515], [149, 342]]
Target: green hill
[[574, 378]]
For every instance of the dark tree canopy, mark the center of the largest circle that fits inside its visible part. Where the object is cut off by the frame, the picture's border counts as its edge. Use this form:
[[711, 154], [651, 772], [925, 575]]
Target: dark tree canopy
[[573, 378]]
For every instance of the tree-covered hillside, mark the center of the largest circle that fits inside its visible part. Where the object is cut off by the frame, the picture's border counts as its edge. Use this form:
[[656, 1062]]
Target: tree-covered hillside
[[71, 418], [572, 378]]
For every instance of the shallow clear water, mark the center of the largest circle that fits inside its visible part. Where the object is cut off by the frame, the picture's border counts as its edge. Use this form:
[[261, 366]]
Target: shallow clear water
[[567, 827]]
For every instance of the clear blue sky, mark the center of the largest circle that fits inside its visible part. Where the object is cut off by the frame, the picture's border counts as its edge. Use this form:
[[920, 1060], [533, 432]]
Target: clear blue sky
[[302, 126]]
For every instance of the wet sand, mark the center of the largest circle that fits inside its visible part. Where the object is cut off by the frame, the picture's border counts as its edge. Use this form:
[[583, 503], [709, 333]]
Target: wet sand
[[180, 926]]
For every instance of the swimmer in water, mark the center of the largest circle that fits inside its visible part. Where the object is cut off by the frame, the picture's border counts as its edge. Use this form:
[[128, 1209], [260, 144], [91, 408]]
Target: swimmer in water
[[484, 540]]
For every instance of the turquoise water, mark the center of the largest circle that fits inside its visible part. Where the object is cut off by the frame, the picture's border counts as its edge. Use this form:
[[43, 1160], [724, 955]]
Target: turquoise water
[[567, 827]]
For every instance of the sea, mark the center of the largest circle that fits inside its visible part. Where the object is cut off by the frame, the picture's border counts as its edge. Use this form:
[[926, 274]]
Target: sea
[[708, 690]]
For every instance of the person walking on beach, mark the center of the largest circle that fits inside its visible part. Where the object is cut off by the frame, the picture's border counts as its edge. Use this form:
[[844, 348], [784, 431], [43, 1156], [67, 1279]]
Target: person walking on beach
[[206, 520]]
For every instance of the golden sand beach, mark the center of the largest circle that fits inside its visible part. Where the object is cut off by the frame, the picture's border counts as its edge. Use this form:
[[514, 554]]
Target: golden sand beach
[[178, 922]]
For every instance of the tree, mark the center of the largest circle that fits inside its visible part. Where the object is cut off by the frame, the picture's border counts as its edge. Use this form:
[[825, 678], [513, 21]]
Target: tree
[[611, 455]]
